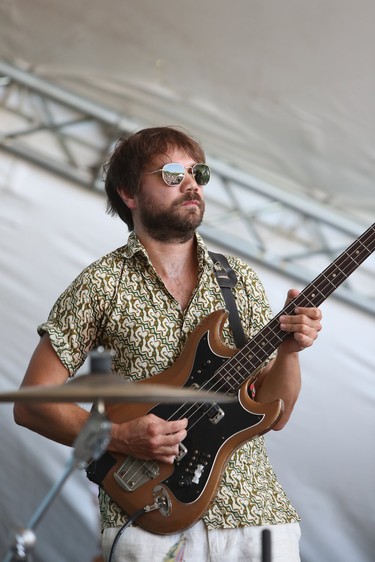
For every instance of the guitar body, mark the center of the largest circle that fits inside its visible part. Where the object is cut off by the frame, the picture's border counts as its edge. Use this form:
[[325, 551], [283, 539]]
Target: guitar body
[[215, 431]]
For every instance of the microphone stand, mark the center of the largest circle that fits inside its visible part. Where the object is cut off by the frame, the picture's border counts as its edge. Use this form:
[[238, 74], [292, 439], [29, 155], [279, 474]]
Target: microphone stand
[[89, 445]]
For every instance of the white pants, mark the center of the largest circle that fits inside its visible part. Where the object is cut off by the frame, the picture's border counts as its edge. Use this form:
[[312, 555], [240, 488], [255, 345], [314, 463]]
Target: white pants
[[199, 545]]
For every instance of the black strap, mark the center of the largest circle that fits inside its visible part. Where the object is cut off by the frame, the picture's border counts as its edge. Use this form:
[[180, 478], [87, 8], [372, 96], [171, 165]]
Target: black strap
[[227, 279]]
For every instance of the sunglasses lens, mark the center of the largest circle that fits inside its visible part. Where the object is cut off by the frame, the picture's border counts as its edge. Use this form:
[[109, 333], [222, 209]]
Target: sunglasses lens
[[201, 174], [173, 174]]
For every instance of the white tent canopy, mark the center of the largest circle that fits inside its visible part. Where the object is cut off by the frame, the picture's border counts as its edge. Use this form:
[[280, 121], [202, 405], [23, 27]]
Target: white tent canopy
[[282, 89]]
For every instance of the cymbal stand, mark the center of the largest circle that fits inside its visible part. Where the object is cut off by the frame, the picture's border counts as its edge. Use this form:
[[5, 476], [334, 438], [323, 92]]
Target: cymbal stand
[[266, 546], [90, 443]]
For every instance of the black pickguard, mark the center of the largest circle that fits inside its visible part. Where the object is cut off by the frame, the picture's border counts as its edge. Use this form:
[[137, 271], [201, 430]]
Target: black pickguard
[[204, 438]]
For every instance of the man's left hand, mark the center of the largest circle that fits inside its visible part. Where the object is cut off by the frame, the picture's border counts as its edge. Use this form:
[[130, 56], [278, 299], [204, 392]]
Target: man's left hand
[[304, 325]]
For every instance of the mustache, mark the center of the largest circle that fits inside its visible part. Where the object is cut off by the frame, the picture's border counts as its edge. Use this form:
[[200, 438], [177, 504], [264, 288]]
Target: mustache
[[189, 197]]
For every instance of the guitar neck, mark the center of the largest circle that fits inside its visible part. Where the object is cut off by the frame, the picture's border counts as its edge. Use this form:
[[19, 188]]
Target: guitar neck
[[260, 347]]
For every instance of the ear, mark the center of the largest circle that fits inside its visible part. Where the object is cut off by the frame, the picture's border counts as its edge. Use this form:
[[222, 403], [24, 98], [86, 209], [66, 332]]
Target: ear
[[129, 200]]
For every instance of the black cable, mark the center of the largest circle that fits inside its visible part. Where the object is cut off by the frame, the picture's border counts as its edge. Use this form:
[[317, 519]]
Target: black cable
[[122, 529]]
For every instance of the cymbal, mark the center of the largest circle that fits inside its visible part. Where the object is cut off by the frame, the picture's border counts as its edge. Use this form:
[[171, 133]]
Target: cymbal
[[88, 388]]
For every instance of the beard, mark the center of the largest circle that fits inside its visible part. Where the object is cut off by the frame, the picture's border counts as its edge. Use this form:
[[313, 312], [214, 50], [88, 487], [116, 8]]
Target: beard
[[173, 223]]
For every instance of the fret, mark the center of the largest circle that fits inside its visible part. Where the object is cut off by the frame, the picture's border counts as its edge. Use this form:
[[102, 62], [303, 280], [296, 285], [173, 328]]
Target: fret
[[239, 368]]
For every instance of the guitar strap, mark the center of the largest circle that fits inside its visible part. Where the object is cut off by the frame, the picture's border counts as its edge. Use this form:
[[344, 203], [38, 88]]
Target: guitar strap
[[96, 470], [227, 279]]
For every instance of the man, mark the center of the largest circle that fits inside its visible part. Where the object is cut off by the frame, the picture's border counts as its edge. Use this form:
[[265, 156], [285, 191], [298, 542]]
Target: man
[[142, 301]]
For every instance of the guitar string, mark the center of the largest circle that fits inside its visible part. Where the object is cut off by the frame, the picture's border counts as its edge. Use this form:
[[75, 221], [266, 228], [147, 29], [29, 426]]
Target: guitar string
[[325, 281]]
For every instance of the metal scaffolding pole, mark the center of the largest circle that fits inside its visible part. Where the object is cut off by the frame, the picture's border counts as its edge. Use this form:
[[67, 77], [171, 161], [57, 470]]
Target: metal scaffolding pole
[[71, 136]]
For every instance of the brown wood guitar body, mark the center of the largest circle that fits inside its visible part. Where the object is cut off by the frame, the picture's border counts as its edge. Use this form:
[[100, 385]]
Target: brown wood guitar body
[[215, 431]]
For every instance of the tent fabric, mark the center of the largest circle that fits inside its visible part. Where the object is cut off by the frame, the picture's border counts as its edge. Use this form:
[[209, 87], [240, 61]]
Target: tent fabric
[[325, 457], [283, 90]]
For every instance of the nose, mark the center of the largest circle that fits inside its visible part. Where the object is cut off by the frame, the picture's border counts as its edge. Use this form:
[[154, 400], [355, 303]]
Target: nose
[[189, 183]]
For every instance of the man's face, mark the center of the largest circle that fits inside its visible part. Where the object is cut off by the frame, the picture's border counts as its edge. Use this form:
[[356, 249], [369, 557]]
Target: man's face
[[169, 213]]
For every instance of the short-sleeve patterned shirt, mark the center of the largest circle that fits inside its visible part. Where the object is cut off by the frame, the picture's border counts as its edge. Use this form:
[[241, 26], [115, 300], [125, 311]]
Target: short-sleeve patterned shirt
[[121, 303]]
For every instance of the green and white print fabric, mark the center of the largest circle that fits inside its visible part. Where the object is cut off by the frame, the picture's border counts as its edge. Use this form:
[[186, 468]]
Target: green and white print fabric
[[121, 303]]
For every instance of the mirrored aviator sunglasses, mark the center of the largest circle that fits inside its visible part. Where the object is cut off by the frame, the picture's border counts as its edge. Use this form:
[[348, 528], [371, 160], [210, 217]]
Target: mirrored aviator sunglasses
[[173, 173]]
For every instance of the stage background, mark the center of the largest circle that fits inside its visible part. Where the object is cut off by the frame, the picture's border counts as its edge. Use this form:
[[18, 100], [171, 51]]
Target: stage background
[[325, 457]]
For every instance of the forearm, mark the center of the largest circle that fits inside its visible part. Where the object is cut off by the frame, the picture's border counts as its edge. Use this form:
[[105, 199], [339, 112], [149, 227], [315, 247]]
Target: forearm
[[59, 422], [281, 380]]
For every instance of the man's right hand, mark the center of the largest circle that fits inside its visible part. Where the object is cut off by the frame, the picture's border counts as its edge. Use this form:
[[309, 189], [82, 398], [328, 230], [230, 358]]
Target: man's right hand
[[149, 438]]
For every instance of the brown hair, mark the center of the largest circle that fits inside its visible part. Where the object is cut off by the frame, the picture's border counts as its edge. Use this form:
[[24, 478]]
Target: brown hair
[[130, 158]]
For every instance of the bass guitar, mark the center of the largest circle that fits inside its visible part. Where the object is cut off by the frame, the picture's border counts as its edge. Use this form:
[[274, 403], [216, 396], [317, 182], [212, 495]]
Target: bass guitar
[[215, 430]]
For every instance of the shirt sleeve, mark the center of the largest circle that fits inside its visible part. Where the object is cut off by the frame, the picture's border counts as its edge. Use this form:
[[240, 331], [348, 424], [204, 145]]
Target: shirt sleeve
[[251, 298], [75, 321]]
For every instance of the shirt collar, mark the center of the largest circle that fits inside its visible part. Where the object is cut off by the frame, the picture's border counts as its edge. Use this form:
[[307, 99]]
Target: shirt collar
[[135, 246]]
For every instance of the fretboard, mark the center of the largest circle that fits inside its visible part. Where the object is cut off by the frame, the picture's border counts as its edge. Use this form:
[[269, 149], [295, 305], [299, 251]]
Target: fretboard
[[238, 369]]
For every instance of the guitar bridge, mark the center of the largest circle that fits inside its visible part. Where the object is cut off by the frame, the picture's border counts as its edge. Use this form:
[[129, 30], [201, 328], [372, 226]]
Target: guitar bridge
[[133, 473], [214, 413]]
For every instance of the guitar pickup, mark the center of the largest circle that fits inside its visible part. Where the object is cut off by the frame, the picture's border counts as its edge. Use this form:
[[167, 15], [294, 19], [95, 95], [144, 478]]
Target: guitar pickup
[[133, 473], [214, 413]]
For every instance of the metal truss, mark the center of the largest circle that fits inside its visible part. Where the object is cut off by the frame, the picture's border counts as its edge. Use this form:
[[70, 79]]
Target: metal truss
[[290, 233]]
